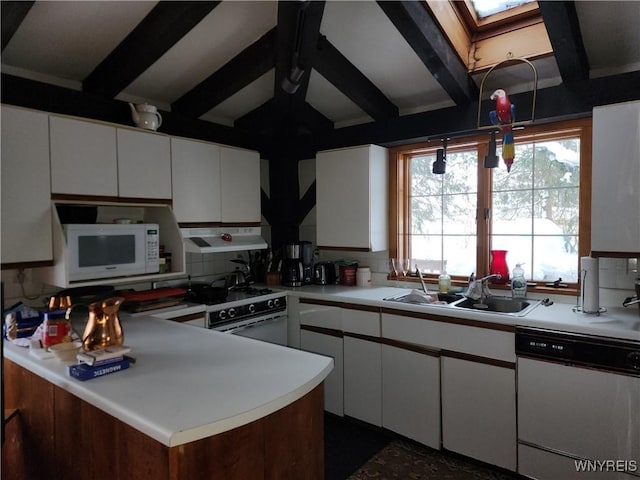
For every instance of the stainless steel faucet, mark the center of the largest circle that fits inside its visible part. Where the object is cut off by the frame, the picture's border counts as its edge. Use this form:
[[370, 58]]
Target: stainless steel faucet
[[478, 289], [484, 290], [484, 280]]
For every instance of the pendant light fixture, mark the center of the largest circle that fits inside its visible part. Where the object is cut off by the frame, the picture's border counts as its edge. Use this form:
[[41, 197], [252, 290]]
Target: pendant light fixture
[[491, 160], [440, 165], [291, 82]]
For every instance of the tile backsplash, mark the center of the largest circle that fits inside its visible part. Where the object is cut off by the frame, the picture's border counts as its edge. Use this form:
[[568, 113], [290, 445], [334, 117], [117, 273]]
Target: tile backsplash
[[617, 275]]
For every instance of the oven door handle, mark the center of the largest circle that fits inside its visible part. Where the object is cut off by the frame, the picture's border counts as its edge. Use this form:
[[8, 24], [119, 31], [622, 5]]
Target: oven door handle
[[257, 323]]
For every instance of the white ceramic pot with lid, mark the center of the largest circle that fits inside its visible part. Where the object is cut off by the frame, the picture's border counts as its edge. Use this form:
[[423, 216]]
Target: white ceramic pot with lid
[[145, 116]]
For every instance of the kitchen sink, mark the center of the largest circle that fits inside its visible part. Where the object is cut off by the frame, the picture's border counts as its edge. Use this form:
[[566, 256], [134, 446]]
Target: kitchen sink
[[418, 297], [505, 305]]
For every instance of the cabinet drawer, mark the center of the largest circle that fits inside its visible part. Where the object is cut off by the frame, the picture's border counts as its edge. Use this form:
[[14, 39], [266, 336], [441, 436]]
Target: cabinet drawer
[[363, 321], [442, 333]]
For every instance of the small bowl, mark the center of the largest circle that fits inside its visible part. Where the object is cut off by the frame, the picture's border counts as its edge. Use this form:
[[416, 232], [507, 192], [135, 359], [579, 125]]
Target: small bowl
[[66, 351]]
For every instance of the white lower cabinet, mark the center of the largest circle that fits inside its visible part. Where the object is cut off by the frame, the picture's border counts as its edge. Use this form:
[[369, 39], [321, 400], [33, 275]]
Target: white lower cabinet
[[411, 394], [363, 380], [321, 332], [331, 346], [362, 363], [479, 410]]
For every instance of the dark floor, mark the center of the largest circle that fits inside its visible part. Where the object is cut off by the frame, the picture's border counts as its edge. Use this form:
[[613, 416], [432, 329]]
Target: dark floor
[[348, 444]]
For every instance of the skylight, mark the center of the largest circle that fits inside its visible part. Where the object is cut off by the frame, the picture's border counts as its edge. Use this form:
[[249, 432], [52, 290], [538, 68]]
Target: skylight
[[484, 8]]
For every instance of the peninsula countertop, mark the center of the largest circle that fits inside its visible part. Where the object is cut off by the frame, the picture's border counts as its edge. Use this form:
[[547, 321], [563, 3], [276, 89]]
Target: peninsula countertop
[[189, 383]]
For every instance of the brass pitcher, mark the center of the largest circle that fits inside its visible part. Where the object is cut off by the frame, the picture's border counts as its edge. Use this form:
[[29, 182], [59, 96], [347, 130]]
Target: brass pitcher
[[103, 328]]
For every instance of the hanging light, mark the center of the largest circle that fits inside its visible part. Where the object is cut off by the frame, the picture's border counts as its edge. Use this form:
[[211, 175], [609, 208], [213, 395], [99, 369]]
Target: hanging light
[[291, 82], [440, 165], [491, 160]]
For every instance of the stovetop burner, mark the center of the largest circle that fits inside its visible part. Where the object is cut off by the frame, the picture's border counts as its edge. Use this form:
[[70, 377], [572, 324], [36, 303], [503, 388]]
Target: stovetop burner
[[253, 291]]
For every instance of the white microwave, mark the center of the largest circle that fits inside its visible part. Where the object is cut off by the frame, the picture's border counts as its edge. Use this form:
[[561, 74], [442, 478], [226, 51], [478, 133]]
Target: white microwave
[[101, 250]]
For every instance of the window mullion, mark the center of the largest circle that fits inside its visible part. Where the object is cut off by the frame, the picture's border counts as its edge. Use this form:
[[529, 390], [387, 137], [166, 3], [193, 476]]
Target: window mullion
[[483, 221]]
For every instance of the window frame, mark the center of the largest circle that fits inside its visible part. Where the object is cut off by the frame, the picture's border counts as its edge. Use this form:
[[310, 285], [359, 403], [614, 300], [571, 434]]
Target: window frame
[[399, 183]]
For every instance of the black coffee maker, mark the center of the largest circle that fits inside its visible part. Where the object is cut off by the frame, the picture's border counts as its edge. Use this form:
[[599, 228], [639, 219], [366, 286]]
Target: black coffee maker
[[307, 262], [292, 267]]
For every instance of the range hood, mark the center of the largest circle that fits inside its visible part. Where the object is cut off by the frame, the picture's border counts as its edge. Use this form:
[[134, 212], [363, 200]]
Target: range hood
[[222, 239]]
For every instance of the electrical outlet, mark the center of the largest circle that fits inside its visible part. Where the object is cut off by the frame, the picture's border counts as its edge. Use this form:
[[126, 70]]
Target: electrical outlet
[[20, 276]]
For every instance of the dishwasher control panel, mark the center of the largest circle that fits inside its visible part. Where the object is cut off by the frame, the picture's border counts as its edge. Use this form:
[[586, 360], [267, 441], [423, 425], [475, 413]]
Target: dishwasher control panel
[[602, 353]]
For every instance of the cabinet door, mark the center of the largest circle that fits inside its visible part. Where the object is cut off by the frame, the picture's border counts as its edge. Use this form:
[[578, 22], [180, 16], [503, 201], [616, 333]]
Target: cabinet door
[[240, 189], [330, 346], [83, 157], [363, 380], [195, 177], [351, 190], [342, 189], [411, 394], [26, 194], [615, 195], [144, 165], [479, 411]]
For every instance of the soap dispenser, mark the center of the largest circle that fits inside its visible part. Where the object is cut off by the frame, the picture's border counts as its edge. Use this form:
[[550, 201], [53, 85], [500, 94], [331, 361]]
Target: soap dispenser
[[518, 282]]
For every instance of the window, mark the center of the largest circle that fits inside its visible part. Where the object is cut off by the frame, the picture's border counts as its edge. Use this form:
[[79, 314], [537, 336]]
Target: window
[[485, 8], [538, 212]]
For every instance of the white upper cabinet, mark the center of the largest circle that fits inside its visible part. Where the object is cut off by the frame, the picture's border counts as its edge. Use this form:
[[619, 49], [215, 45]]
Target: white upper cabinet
[[615, 195], [144, 164], [351, 198], [90, 158], [26, 195], [83, 157], [195, 176], [240, 189]]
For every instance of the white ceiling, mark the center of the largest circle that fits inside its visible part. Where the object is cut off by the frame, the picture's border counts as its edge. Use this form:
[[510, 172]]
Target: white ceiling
[[62, 42]]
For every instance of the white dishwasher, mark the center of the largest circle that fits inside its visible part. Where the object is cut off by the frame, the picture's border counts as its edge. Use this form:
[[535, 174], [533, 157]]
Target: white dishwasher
[[578, 406]]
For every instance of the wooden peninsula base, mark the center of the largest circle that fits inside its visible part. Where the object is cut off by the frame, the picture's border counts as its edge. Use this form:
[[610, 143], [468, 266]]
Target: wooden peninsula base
[[57, 435]]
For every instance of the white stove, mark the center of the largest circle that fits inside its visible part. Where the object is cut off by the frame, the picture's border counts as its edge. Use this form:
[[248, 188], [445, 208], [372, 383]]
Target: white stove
[[253, 311]]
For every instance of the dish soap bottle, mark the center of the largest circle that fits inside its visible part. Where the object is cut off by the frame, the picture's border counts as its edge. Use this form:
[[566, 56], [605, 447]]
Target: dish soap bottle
[[518, 282], [444, 282]]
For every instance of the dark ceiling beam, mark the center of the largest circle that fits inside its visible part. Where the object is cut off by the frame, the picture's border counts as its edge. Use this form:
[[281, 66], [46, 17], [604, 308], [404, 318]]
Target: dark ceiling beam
[[160, 30], [335, 67], [561, 20], [313, 119], [283, 110], [422, 33], [261, 119], [258, 119], [13, 14], [244, 68], [54, 99], [553, 104]]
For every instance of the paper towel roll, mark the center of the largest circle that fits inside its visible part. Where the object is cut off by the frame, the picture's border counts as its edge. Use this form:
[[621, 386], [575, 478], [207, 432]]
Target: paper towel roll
[[590, 285]]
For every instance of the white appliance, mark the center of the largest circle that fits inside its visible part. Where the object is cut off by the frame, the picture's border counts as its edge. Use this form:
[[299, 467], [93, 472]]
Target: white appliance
[[97, 251], [578, 406], [252, 314]]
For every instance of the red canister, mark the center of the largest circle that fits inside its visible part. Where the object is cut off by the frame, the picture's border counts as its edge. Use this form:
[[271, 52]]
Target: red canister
[[348, 274], [56, 327]]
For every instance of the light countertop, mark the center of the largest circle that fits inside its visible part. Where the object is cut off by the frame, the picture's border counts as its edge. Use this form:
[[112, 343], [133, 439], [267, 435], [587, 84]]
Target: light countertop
[[616, 321], [189, 383]]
